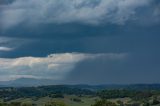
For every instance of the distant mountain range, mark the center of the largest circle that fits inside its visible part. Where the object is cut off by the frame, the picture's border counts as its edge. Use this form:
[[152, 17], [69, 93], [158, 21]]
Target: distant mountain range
[[27, 82]]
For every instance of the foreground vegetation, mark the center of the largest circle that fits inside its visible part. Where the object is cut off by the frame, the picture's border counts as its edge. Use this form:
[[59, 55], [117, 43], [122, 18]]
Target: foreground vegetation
[[63, 95]]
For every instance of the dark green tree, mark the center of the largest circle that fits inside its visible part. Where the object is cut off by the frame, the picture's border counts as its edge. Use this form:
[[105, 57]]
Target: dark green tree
[[104, 103]]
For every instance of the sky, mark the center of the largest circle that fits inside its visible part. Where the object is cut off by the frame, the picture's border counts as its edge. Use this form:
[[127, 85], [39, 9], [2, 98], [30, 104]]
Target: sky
[[80, 41]]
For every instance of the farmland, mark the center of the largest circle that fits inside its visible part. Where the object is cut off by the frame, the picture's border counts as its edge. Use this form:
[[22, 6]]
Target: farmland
[[81, 95]]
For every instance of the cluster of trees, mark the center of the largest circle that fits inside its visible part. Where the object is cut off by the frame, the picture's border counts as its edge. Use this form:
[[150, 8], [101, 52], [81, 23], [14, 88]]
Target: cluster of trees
[[138, 97], [58, 91], [64, 89], [134, 94], [54, 103], [56, 95], [51, 103], [17, 104], [76, 99], [104, 102], [52, 91]]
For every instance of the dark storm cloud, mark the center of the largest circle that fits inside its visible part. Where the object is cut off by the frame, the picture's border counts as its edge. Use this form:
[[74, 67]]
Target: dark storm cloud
[[34, 29], [27, 19], [133, 69], [33, 12], [116, 40]]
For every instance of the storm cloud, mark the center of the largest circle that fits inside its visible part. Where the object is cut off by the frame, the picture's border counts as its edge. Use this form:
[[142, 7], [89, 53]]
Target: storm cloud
[[94, 12], [90, 41]]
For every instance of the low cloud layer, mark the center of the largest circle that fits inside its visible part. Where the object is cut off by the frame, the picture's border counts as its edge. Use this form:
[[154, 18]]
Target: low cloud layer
[[8, 44], [4, 44], [5, 48], [54, 66], [33, 12]]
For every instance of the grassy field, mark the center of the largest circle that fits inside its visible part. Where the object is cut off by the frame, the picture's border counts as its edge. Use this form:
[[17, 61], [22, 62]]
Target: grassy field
[[73, 96], [68, 100]]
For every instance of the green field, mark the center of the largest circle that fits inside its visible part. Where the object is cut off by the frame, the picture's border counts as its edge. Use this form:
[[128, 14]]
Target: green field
[[85, 100], [64, 95]]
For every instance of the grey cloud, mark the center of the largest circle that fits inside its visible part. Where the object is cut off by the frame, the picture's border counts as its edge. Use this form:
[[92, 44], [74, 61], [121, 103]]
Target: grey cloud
[[132, 69], [66, 11]]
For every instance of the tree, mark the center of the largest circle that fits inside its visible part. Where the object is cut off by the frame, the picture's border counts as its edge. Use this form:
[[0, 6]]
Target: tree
[[120, 103], [55, 103], [26, 104], [155, 101], [104, 103], [15, 104]]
